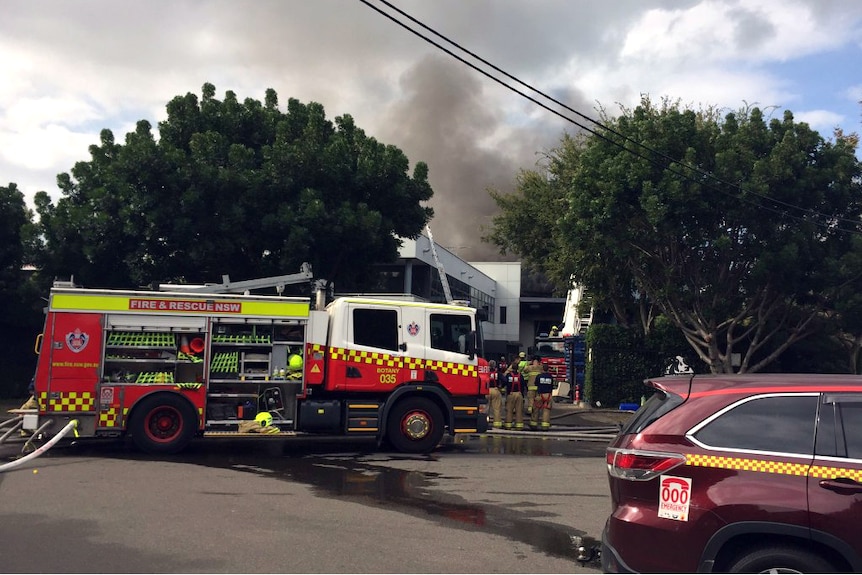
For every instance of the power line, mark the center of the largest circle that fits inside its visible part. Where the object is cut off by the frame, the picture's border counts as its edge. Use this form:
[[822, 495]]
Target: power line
[[830, 224]]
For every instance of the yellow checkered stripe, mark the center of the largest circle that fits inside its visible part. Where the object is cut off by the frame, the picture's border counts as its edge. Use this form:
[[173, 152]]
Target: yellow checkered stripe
[[387, 360], [413, 363], [821, 472], [765, 466], [68, 401], [366, 357], [452, 368], [108, 417], [744, 464]]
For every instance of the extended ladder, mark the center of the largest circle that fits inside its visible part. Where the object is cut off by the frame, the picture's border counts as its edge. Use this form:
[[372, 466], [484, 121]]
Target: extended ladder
[[443, 279], [576, 322]]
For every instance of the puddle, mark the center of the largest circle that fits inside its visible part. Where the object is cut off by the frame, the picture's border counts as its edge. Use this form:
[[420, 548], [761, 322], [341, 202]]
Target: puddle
[[356, 471]]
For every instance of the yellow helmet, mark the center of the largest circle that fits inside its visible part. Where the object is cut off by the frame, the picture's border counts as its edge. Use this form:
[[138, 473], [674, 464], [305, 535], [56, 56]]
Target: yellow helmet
[[522, 354], [294, 362], [264, 418]]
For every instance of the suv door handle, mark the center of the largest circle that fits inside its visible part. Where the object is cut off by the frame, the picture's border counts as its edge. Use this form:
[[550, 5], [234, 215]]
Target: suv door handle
[[841, 485]]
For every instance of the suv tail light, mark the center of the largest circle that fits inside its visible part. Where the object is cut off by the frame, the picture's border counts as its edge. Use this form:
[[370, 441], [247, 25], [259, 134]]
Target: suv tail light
[[637, 465]]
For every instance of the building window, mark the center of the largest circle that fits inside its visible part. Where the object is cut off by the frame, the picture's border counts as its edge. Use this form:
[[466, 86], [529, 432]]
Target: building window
[[502, 314]]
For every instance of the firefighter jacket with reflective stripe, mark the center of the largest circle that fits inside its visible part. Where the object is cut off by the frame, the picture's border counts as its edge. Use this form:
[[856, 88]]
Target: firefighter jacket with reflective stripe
[[513, 382]]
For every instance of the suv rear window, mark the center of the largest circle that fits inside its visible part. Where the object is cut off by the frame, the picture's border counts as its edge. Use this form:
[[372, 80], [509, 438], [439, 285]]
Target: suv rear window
[[655, 407], [839, 432], [782, 424]]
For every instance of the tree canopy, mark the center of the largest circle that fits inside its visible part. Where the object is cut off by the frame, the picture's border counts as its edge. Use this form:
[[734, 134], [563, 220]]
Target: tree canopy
[[740, 229], [20, 303], [238, 188]]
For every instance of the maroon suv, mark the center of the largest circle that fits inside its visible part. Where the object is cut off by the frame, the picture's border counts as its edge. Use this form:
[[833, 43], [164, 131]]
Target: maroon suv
[[739, 473]]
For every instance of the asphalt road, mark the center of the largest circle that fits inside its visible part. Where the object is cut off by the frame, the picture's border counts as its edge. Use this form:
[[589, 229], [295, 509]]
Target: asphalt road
[[478, 504]]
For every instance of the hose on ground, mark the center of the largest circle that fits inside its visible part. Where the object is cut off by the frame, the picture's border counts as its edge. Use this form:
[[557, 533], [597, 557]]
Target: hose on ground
[[18, 462], [11, 421], [14, 425]]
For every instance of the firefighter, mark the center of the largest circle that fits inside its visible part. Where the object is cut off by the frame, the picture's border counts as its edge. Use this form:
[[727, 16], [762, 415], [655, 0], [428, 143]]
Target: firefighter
[[544, 400], [522, 361], [502, 366], [529, 374], [31, 403], [495, 399], [514, 398]]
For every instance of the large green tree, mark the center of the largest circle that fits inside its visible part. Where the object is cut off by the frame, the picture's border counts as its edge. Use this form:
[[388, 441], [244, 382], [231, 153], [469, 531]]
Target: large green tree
[[739, 229], [238, 188], [20, 307]]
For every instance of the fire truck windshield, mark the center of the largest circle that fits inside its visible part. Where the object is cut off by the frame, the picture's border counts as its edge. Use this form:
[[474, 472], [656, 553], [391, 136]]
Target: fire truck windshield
[[550, 347]]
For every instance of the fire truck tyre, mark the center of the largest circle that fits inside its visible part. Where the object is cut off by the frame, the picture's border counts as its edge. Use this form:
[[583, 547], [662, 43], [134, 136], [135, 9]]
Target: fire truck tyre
[[780, 559], [163, 424], [415, 425]]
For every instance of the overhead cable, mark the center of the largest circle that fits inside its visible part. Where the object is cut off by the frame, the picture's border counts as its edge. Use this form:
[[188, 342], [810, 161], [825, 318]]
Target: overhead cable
[[831, 220]]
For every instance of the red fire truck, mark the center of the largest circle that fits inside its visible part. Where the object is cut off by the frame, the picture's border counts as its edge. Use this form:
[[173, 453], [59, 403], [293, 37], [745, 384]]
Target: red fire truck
[[165, 367]]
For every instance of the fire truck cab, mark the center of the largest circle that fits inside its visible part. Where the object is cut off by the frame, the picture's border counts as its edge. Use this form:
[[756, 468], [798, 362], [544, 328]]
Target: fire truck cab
[[164, 368]]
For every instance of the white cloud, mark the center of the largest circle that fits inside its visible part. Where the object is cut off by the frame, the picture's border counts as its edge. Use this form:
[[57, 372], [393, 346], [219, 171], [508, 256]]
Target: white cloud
[[71, 69], [720, 31], [854, 93], [41, 148], [823, 121], [27, 113]]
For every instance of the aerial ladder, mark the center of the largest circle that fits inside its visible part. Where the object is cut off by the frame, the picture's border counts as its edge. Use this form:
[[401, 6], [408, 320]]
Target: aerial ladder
[[227, 286], [575, 321], [577, 318], [443, 279]]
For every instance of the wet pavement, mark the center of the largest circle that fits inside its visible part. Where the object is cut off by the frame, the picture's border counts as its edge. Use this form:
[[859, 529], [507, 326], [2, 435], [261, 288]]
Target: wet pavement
[[359, 473], [431, 487]]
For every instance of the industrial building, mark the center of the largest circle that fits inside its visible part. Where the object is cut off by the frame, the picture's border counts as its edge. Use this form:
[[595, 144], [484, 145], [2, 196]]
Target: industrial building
[[514, 317]]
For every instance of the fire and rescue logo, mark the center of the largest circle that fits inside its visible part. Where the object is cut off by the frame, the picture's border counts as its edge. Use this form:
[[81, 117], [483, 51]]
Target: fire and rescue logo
[[413, 328], [77, 340]]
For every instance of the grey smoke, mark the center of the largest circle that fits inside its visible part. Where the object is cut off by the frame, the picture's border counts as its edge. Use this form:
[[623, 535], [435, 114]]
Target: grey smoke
[[448, 120]]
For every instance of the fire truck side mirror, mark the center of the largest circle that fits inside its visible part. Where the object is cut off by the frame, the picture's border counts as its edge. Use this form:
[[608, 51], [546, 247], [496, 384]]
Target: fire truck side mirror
[[471, 345]]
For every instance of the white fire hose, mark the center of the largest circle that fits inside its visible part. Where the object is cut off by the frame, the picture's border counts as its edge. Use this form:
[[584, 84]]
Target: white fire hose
[[72, 425]]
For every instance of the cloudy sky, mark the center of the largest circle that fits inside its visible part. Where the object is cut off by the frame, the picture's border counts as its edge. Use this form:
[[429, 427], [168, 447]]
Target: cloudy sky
[[71, 68]]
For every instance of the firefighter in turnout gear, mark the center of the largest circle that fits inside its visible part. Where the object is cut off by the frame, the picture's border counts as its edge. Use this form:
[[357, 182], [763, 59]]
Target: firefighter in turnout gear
[[495, 399], [514, 398], [544, 400], [529, 374], [522, 361]]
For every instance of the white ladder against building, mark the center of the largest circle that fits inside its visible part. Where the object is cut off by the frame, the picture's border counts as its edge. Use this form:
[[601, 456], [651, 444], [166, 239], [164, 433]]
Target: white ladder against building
[[443, 279], [574, 321]]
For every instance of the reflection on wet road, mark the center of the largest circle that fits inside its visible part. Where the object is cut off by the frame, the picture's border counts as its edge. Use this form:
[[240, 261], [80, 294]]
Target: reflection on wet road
[[354, 469]]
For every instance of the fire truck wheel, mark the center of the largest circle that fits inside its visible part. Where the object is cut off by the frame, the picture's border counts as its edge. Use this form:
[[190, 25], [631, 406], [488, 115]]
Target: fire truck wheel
[[162, 424], [415, 425]]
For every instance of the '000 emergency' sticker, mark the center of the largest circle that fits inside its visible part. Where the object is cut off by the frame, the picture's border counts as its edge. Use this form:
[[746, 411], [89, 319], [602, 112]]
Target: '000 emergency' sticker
[[674, 497]]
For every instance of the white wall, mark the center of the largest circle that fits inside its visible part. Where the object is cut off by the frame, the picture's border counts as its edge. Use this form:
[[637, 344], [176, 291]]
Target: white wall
[[507, 294]]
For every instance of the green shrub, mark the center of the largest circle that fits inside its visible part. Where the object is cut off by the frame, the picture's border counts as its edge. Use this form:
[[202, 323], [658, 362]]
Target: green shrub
[[620, 359]]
